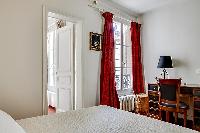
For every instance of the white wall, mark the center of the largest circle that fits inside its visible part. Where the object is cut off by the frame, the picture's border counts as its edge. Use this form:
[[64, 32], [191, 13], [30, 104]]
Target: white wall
[[21, 53], [175, 31]]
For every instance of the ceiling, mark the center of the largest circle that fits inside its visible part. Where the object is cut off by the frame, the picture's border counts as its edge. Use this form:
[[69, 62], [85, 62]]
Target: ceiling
[[142, 6]]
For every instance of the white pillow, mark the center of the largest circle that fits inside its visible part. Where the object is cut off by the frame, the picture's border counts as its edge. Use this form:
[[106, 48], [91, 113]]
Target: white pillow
[[8, 124]]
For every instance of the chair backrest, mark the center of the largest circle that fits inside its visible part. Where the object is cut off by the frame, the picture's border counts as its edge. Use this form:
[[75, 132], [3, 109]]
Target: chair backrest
[[169, 91]]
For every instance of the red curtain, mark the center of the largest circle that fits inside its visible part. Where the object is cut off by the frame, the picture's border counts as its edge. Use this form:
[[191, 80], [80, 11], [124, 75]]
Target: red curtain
[[138, 81], [108, 93]]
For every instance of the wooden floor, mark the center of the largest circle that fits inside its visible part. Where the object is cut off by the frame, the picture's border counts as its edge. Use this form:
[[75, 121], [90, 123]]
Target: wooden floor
[[51, 110]]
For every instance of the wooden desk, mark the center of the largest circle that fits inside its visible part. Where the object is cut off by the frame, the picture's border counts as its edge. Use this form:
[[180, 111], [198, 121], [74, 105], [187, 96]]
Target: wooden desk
[[187, 90], [190, 93]]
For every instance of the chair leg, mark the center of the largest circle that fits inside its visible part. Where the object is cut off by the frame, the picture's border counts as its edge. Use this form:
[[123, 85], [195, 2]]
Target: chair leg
[[167, 116], [160, 115], [176, 117], [185, 118]]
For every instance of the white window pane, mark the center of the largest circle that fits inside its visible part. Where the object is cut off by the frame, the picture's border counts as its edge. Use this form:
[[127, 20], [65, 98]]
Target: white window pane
[[117, 55], [126, 35], [127, 78], [118, 78], [118, 49], [117, 32], [117, 38], [127, 56], [117, 63]]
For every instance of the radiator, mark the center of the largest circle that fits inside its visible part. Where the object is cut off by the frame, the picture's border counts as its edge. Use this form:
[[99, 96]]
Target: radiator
[[127, 102]]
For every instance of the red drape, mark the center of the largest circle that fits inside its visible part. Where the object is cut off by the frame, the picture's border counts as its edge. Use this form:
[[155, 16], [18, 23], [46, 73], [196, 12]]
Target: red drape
[[108, 93], [138, 80]]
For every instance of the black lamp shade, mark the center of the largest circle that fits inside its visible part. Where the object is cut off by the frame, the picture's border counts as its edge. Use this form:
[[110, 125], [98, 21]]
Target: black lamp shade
[[165, 62]]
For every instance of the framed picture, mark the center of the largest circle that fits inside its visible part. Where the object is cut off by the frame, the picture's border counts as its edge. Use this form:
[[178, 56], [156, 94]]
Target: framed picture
[[95, 41]]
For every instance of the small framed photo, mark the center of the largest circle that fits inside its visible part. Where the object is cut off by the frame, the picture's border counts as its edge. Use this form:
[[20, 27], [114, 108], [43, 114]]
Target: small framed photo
[[95, 41]]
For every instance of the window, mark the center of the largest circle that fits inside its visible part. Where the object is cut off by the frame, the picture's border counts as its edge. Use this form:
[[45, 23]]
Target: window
[[123, 58]]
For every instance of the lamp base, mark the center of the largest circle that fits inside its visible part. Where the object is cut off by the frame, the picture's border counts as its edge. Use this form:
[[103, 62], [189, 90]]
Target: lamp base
[[164, 73]]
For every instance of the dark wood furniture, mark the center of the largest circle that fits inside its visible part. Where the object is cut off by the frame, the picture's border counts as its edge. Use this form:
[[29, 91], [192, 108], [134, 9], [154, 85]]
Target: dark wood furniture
[[141, 104], [196, 113], [169, 91], [153, 101], [189, 92]]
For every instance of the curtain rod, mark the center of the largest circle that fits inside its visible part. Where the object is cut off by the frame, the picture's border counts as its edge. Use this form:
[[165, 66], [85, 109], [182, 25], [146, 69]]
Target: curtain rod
[[115, 16]]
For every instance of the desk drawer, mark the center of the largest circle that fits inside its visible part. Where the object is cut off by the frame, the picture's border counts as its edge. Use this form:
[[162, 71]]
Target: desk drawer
[[197, 103], [197, 113], [196, 93], [186, 90]]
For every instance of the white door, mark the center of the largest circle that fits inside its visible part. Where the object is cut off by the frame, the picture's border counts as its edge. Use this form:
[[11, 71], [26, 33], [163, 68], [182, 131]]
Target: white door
[[65, 69]]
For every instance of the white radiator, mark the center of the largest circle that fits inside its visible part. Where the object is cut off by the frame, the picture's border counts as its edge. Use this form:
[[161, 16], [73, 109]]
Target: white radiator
[[127, 102]]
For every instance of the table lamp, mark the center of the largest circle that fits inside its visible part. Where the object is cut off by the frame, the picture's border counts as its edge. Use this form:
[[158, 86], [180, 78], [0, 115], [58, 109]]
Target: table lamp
[[165, 62]]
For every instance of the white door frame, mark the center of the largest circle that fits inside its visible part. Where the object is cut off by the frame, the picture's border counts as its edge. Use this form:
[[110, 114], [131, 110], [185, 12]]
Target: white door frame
[[77, 56]]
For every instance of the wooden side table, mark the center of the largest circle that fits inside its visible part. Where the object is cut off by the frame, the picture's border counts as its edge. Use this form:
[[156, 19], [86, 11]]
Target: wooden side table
[[142, 104]]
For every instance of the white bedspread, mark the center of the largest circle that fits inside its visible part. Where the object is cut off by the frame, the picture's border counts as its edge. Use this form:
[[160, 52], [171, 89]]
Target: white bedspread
[[98, 119]]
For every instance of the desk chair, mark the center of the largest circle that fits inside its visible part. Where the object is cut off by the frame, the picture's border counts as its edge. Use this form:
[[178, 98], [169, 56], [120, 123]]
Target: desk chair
[[169, 91]]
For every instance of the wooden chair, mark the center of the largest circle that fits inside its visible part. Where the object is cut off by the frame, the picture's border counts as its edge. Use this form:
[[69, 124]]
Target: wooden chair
[[169, 91]]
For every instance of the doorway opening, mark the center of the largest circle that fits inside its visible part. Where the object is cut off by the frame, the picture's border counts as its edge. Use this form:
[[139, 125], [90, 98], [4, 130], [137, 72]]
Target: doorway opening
[[62, 72]]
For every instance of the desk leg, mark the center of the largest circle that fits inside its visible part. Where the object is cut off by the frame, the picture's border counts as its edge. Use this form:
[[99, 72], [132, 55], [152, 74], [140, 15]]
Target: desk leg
[[185, 118], [167, 116], [176, 117]]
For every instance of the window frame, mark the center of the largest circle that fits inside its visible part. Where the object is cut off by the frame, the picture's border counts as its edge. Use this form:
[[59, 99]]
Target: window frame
[[123, 91]]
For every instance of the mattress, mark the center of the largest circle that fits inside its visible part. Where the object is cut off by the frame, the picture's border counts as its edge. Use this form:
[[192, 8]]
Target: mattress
[[98, 119]]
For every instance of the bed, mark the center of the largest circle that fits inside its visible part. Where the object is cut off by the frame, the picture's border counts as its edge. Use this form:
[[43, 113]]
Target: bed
[[98, 119]]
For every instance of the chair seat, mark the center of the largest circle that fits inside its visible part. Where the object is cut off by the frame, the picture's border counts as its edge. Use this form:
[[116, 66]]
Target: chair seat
[[182, 105]]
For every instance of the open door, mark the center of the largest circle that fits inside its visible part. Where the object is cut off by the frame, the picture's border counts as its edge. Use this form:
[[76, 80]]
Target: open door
[[65, 68], [62, 64]]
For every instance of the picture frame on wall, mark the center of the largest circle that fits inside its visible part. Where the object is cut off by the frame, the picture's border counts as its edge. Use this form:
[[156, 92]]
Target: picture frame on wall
[[95, 41]]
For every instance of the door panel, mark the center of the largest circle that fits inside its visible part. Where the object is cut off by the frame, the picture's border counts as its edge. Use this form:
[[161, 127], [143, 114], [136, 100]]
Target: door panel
[[65, 50], [64, 95], [65, 67]]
